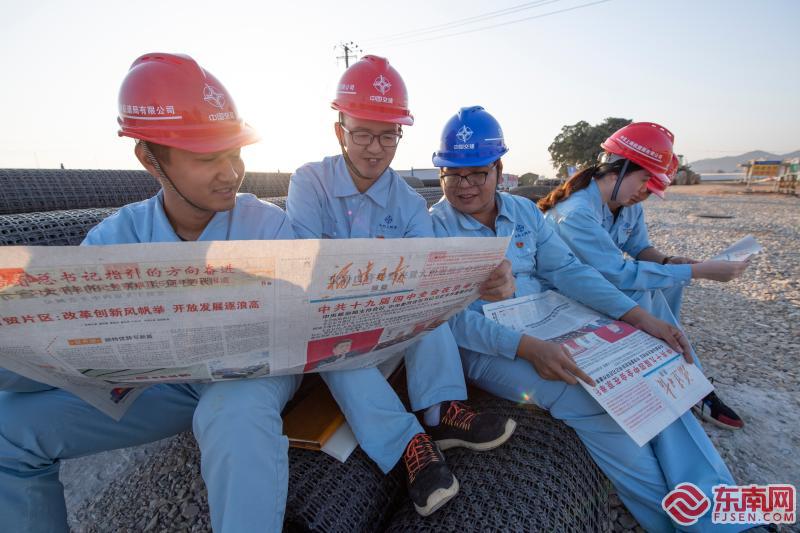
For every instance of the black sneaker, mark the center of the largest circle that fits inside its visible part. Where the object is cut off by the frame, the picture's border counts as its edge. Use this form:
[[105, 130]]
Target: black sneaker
[[462, 426], [714, 410], [430, 482]]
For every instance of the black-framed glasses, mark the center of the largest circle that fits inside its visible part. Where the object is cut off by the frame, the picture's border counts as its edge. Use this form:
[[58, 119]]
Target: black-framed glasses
[[365, 138], [475, 179]]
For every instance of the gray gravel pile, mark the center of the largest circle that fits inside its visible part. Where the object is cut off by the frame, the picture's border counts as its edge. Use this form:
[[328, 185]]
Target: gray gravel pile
[[164, 493], [746, 333]]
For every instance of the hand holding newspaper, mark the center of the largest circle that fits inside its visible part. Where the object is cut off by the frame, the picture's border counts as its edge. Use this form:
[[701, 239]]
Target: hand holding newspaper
[[640, 381], [105, 321]]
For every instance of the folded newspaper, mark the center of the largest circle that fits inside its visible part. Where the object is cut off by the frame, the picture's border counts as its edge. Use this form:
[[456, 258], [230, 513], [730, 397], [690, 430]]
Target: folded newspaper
[[741, 250], [103, 322], [640, 381]]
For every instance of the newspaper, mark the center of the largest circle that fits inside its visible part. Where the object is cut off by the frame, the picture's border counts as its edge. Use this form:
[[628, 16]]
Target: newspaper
[[640, 381], [105, 321], [741, 250]]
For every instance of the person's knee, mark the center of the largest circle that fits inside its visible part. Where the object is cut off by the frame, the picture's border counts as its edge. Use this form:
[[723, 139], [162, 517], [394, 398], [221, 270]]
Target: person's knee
[[233, 410], [354, 381]]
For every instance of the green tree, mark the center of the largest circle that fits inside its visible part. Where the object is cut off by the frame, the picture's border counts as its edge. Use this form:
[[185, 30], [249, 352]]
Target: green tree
[[529, 178], [579, 144]]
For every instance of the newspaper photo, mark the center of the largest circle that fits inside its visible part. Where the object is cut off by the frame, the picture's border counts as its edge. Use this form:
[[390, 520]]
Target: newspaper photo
[[105, 321], [741, 250], [640, 381]]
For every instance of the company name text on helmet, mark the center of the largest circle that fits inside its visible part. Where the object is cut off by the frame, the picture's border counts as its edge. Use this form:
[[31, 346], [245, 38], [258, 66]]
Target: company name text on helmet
[[226, 115]]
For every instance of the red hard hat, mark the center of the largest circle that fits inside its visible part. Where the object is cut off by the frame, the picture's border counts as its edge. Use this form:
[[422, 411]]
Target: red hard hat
[[371, 89], [673, 167], [657, 184], [169, 99], [649, 145]]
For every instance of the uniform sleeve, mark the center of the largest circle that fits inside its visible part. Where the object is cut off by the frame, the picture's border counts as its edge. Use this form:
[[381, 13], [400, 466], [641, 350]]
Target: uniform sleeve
[[558, 265], [420, 223], [116, 229], [93, 238], [594, 246], [284, 231], [472, 330], [639, 240], [304, 207]]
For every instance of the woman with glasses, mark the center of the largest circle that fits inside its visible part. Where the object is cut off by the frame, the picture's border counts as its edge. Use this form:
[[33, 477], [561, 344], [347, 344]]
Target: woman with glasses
[[598, 213], [529, 370]]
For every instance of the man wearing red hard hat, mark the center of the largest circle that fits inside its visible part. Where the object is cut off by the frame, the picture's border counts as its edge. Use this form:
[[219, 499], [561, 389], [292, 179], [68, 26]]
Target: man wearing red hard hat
[[357, 195], [189, 135]]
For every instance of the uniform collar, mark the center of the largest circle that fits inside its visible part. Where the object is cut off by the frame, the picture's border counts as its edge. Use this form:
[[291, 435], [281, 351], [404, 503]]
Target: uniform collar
[[503, 206], [343, 185], [469, 223], [597, 202], [165, 231]]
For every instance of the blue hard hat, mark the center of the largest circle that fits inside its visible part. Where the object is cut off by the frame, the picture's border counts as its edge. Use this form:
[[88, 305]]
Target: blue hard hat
[[472, 138]]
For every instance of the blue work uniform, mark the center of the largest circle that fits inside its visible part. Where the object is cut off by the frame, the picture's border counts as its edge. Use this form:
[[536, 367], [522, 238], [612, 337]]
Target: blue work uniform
[[237, 424], [586, 224], [540, 259], [323, 203]]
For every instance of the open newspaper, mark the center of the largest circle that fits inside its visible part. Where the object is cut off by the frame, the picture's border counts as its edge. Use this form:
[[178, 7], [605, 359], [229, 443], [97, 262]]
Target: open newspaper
[[103, 322], [741, 250], [640, 381]]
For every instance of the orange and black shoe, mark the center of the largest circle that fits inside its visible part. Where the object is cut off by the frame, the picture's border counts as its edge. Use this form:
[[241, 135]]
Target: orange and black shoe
[[430, 482], [462, 426]]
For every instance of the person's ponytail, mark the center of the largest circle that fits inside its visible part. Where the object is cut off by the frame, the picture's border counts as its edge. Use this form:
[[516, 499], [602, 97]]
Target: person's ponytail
[[579, 181], [582, 179]]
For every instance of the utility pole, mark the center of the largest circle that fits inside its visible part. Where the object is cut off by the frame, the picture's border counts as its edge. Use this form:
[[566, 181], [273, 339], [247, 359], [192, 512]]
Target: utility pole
[[351, 50]]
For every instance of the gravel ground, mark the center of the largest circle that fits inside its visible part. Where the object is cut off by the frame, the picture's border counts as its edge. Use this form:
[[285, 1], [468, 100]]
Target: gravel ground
[[746, 333]]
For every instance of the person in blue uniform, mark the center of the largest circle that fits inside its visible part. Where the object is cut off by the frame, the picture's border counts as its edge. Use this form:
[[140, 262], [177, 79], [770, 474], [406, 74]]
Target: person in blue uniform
[[237, 424], [598, 213], [357, 195], [524, 369]]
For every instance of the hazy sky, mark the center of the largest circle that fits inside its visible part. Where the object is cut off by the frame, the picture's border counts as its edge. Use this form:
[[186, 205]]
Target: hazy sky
[[721, 74]]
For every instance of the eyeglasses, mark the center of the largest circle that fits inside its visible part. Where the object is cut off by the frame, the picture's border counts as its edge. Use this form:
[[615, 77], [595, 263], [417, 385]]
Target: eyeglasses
[[474, 178], [365, 138]]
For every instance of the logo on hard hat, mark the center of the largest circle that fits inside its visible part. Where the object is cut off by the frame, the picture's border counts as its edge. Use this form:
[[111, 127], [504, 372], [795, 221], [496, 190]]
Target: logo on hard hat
[[381, 84], [213, 96], [464, 133]]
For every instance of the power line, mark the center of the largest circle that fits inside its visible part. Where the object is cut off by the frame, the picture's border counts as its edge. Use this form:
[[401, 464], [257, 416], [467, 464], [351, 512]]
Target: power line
[[350, 49], [460, 22], [436, 37]]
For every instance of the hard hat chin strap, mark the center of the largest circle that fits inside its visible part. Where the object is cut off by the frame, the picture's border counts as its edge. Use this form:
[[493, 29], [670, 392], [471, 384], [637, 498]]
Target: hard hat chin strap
[[619, 180], [153, 161]]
